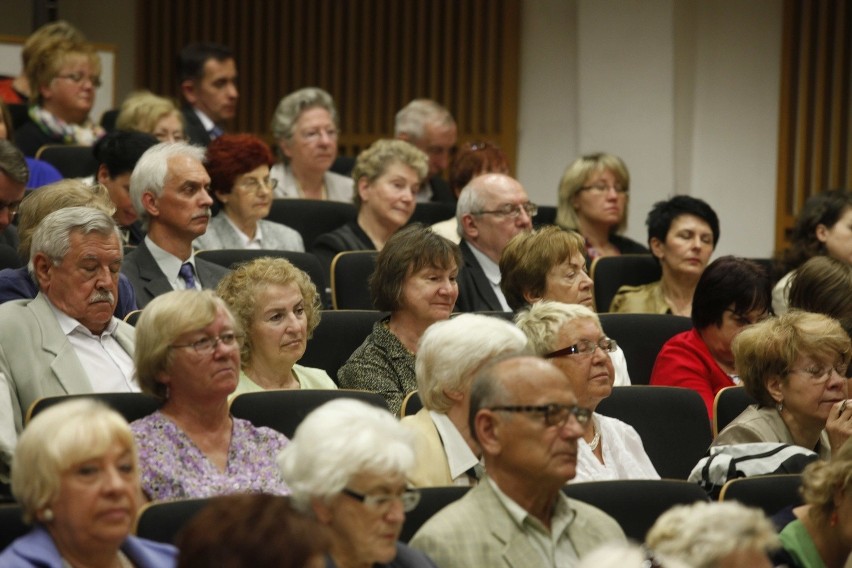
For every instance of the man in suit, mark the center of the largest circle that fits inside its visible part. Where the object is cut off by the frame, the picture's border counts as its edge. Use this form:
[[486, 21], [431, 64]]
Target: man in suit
[[429, 126], [525, 418], [492, 209], [208, 83], [169, 189], [13, 180], [65, 340]]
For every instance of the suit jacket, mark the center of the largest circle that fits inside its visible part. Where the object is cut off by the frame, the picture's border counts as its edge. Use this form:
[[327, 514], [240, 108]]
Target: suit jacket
[[441, 190], [195, 131], [431, 467], [477, 530], [149, 281], [37, 360], [222, 235], [475, 292]]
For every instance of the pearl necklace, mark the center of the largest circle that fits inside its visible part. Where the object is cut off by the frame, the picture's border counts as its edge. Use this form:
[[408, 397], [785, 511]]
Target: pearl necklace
[[596, 440]]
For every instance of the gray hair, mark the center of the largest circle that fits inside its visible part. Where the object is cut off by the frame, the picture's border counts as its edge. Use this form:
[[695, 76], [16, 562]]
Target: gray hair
[[544, 319], [414, 117], [451, 352], [339, 440], [12, 162], [472, 199], [53, 235], [292, 106], [149, 175]]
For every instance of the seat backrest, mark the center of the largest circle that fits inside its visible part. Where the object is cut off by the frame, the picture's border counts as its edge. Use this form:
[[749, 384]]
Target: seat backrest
[[431, 212], [311, 217], [284, 410], [546, 216], [768, 492], [636, 503], [671, 421], [612, 272], [641, 336], [411, 404], [161, 521], [131, 405], [338, 335], [71, 160], [350, 274], [729, 403], [12, 525], [432, 500]]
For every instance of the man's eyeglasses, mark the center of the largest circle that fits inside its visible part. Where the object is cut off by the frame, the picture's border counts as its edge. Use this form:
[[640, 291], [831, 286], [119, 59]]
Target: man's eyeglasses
[[602, 187], [382, 502], [819, 374], [585, 347], [554, 414], [12, 208], [255, 185], [207, 345], [79, 78], [512, 210]]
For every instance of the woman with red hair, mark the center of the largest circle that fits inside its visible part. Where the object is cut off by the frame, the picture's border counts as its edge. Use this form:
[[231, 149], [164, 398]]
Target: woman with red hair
[[238, 165]]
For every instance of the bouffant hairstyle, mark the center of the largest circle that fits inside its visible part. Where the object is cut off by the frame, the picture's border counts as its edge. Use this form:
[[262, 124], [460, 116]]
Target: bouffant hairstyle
[[232, 155]]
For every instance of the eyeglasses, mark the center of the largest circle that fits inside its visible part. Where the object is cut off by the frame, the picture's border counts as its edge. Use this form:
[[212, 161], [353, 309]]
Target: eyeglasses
[[12, 208], [554, 414], [255, 185], [382, 502], [602, 187], [79, 78], [512, 210], [207, 345], [585, 347], [819, 374], [315, 135], [744, 320]]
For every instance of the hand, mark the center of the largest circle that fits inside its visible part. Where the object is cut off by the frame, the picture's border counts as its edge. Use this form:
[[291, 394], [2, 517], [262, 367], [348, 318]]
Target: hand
[[839, 424]]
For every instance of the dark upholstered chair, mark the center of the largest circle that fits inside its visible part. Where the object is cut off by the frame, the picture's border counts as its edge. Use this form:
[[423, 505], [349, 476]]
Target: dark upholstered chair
[[311, 217], [339, 333], [350, 273], [131, 405], [161, 521], [612, 272], [432, 500], [768, 492], [729, 403], [71, 160]]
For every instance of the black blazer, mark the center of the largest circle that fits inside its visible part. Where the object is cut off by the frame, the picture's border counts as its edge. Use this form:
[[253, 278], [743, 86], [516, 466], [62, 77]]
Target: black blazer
[[475, 292], [195, 131]]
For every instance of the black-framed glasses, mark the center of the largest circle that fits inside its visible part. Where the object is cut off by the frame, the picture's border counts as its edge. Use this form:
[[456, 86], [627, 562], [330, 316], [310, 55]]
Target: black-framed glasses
[[602, 187], [207, 345], [78, 78], [382, 502], [585, 347], [554, 414], [512, 210]]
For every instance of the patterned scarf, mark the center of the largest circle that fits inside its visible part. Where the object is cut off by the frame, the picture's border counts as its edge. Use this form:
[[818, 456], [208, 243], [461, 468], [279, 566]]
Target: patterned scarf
[[83, 134]]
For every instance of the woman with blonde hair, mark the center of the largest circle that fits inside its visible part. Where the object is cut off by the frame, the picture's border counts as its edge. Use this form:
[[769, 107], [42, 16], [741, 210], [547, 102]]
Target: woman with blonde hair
[[143, 111]]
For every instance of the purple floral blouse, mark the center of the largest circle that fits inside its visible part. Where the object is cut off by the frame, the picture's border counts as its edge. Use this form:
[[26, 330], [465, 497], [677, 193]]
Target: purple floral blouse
[[172, 466]]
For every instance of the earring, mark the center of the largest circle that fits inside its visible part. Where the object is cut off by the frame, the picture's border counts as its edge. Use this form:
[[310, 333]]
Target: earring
[[47, 515], [779, 406]]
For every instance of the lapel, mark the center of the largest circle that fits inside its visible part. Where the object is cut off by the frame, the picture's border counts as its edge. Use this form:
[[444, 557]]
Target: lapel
[[153, 279], [480, 282], [65, 365], [516, 548]]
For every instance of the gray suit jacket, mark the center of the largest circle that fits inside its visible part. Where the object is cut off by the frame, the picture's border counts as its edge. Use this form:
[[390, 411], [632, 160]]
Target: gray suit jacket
[[222, 235], [477, 530], [475, 292], [37, 360], [149, 281]]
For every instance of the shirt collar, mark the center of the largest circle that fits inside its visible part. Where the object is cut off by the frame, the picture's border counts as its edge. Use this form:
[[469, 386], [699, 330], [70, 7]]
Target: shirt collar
[[244, 239], [168, 263], [69, 325], [459, 456], [205, 120], [489, 267], [563, 514]]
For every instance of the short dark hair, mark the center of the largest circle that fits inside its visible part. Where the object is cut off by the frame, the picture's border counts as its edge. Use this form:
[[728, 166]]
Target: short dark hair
[[192, 58], [663, 214], [407, 251], [120, 150], [730, 280]]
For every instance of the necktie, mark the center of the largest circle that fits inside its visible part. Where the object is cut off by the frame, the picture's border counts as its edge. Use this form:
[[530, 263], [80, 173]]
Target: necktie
[[186, 274], [215, 132]]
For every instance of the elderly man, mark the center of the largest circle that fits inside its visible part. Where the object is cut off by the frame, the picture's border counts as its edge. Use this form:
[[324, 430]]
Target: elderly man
[[208, 82], [13, 180], [169, 188], [66, 340], [431, 128], [448, 356], [492, 209], [526, 420]]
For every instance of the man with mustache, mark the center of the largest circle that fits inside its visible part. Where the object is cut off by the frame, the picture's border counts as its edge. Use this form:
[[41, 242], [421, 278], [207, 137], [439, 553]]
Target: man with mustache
[[169, 188], [65, 340], [525, 418]]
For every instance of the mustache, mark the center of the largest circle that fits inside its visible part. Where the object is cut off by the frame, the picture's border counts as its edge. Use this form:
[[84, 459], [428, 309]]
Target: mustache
[[102, 296], [206, 212]]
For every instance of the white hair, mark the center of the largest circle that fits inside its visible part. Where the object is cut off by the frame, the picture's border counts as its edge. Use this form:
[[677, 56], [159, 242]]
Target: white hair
[[543, 321], [292, 106], [414, 117], [620, 555], [52, 237]]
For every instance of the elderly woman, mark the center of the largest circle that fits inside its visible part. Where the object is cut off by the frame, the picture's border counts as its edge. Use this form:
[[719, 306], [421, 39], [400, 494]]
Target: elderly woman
[[682, 233], [188, 356], [732, 294], [387, 177], [414, 280], [820, 532], [795, 366], [279, 308], [347, 466], [305, 129], [824, 285], [64, 76], [143, 111], [448, 357], [75, 475], [238, 165], [550, 264], [593, 202], [572, 338]]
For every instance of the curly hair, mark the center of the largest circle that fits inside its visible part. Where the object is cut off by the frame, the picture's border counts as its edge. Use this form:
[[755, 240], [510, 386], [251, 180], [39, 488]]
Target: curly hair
[[232, 155], [822, 479], [824, 208]]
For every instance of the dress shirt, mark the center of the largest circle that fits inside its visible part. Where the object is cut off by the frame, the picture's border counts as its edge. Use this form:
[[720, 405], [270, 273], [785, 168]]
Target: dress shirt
[[459, 456], [492, 273], [206, 121], [448, 229], [247, 243], [170, 265]]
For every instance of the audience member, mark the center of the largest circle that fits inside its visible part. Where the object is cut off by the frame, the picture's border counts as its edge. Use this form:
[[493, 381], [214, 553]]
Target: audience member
[[76, 477], [572, 338], [305, 127], [40, 172], [448, 356], [823, 285], [491, 210], [387, 176], [169, 191], [347, 466], [822, 228], [240, 184], [13, 180], [550, 264], [208, 83], [795, 366], [279, 308], [188, 356], [143, 111], [593, 196], [628, 556], [431, 128], [415, 280], [732, 294], [527, 421], [66, 340], [682, 234]]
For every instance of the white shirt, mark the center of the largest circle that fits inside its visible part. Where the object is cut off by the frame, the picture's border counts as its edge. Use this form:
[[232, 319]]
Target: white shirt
[[206, 121], [170, 265], [459, 456], [492, 273], [247, 243], [623, 454], [448, 229]]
